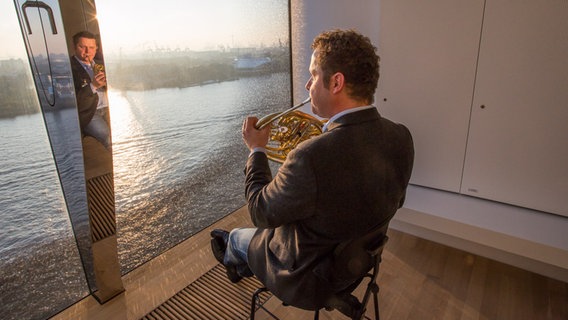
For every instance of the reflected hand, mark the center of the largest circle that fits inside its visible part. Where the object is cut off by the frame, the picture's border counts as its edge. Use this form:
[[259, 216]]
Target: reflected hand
[[99, 80], [252, 136]]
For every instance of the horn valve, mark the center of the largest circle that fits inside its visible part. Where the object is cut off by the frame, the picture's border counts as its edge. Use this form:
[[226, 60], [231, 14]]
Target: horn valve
[[288, 131]]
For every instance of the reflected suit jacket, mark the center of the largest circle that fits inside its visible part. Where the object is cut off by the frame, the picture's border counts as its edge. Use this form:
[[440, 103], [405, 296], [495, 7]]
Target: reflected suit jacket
[[331, 188], [87, 101]]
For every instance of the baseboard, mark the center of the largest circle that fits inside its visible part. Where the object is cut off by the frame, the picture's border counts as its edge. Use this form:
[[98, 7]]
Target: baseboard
[[535, 257]]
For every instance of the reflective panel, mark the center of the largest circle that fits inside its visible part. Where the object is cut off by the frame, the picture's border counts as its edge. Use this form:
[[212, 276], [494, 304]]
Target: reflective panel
[[73, 100], [182, 78], [40, 267], [47, 51]]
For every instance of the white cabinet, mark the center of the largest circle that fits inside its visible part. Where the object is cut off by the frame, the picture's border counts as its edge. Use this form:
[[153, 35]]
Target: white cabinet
[[483, 86], [517, 150], [428, 59]]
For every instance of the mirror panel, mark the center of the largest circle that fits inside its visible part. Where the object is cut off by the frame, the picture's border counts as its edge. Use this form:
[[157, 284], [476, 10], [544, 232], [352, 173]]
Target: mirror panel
[[72, 104], [47, 52], [40, 267]]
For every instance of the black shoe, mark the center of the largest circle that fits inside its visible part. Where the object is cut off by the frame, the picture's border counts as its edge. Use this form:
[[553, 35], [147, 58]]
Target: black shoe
[[219, 244], [219, 240], [221, 236], [232, 274]]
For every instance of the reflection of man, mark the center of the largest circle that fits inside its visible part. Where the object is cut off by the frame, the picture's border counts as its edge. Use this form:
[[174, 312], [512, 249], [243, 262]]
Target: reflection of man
[[337, 186], [90, 88]]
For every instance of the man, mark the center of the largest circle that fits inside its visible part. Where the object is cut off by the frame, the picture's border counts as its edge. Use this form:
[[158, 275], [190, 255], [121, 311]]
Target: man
[[90, 88], [337, 186]]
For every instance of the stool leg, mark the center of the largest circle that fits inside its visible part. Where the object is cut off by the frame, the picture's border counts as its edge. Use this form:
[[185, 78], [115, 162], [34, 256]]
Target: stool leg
[[253, 306], [376, 301], [254, 301]]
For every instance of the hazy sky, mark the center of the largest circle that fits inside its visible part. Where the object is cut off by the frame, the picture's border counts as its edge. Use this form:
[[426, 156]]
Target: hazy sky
[[134, 25], [12, 44], [195, 24]]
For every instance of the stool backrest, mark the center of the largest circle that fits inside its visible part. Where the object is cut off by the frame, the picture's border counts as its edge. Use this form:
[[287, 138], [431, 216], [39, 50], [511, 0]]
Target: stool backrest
[[353, 259]]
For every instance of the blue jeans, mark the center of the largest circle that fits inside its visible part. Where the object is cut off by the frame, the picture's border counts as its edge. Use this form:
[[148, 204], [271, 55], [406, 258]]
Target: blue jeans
[[99, 129], [237, 250]]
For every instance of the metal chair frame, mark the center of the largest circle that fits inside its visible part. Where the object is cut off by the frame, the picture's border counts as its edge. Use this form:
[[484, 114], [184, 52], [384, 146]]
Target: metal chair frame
[[344, 301]]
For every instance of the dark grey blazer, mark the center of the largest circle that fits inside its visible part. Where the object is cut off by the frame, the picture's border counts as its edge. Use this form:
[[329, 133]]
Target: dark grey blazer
[[331, 188]]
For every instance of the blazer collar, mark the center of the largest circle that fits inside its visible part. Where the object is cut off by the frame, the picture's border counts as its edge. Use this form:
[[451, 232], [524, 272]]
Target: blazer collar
[[354, 118]]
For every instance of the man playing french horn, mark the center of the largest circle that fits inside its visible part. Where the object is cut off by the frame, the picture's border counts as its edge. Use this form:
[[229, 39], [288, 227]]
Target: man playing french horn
[[337, 186], [90, 88]]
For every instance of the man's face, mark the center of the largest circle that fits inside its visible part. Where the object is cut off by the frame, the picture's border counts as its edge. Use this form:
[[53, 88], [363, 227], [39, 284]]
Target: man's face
[[86, 49], [319, 94]]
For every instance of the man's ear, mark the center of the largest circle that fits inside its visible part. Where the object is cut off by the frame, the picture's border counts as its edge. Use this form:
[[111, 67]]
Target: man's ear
[[337, 82]]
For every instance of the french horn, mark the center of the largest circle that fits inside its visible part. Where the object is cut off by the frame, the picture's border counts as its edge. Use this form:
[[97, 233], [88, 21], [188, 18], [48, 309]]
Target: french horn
[[98, 68], [288, 129]]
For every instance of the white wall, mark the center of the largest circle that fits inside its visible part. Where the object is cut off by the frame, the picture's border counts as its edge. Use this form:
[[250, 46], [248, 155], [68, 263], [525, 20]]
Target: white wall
[[311, 17]]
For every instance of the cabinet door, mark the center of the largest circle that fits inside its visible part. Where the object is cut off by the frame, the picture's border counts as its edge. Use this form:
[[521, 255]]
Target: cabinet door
[[517, 151], [428, 55]]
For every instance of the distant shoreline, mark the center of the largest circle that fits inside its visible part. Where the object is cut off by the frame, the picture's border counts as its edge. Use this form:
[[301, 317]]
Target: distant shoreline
[[18, 94]]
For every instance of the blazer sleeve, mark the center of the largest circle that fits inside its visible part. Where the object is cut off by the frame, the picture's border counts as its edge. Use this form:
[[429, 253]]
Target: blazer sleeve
[[289, 197]]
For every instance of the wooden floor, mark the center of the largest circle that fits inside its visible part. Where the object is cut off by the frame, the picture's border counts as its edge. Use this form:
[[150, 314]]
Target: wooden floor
[[419, 279]]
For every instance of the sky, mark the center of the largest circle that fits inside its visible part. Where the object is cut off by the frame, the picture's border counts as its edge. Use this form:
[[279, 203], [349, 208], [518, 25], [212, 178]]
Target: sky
[[195, 24], [136, 25], [10, 35]]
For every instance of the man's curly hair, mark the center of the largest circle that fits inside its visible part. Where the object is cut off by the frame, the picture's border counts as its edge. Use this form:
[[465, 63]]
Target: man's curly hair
[[352, 54]]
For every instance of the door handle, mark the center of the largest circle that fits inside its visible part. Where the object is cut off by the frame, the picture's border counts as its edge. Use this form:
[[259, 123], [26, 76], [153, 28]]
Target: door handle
[[39, 5]]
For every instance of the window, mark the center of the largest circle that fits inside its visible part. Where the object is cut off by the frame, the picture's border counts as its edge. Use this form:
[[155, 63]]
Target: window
[[182, 78], [40, 267]]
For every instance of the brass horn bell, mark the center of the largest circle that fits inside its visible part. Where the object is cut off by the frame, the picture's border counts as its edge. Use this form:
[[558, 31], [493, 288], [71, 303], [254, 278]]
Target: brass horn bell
[[288, 129]]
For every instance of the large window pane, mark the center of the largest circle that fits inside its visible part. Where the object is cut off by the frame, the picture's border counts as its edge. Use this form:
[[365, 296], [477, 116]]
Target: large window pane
[[182, 77], [40, 268]]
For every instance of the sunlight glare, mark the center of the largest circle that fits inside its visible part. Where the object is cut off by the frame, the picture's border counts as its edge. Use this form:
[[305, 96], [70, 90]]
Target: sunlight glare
[[121, 117]]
